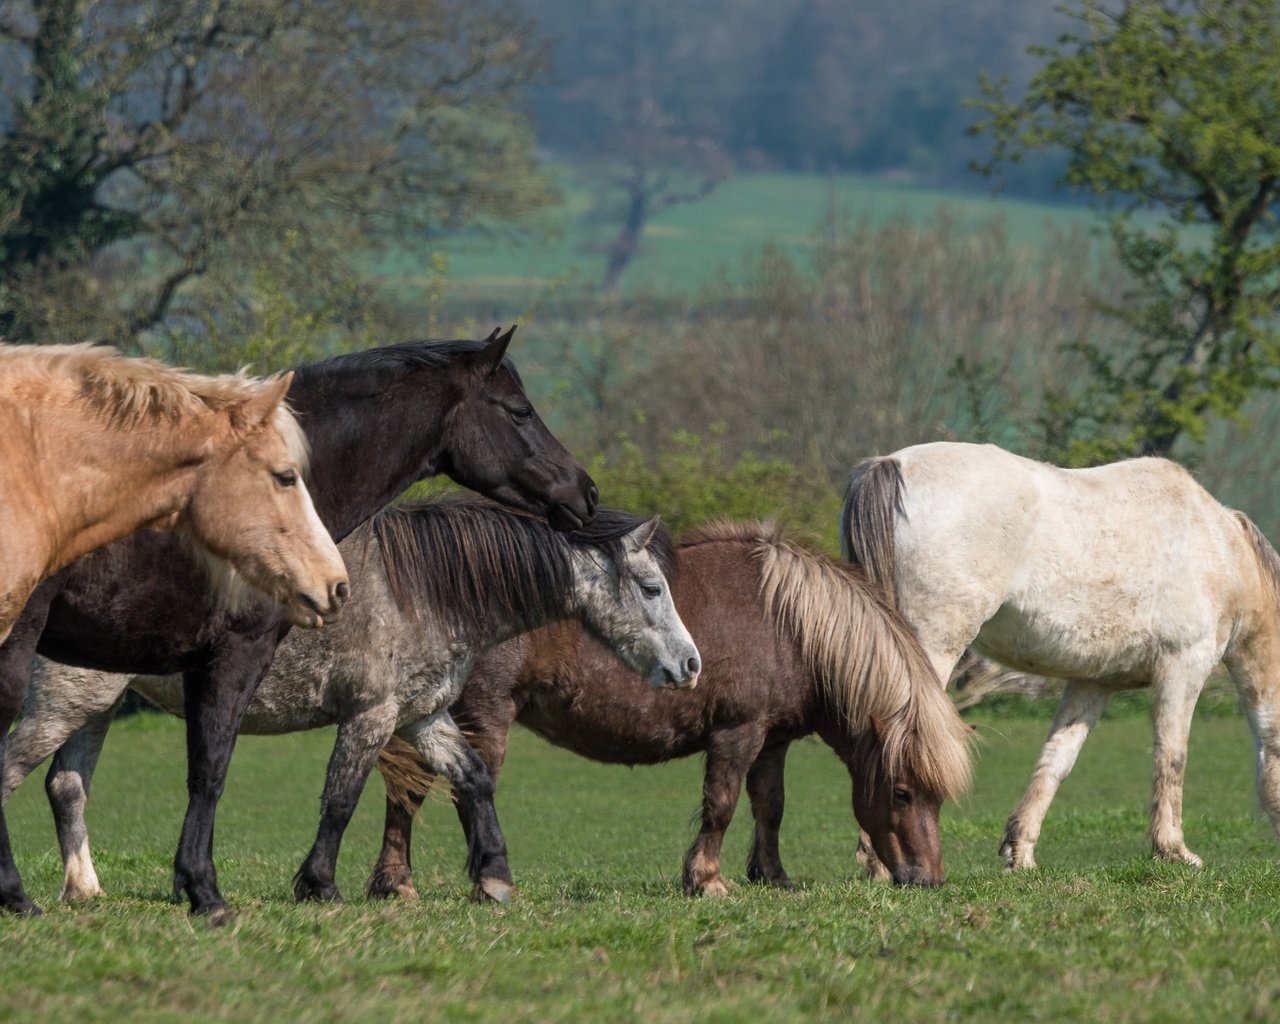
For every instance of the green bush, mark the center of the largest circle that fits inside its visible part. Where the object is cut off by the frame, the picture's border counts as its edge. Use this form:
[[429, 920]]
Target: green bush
[[691, 480]]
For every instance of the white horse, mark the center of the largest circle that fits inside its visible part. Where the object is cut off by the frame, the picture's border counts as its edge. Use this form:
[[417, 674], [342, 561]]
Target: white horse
[[434, 585], [1114, 578]]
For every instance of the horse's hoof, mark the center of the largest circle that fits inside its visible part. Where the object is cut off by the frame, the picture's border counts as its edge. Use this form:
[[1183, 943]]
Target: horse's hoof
[[1180, 856], [216, 915], [784, 883], [493, 890], [714, 888], [76, 894], [23, 907], [318, 894], [400, 890], [1018, 858], [221, 917]]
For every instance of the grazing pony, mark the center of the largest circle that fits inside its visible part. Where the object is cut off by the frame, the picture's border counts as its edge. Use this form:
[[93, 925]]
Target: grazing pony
[[376, 421], [436, 584], [792, 643], [94, 445], [1114, 578]]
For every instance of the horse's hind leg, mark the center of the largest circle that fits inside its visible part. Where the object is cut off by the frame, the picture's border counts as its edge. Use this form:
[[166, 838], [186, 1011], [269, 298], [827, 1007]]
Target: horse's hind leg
[[61, 701], [392, 873], [446, 752], [1078, 712], [355, 751], [765, 789], [730, 755], [1174, 693], [67, 787]]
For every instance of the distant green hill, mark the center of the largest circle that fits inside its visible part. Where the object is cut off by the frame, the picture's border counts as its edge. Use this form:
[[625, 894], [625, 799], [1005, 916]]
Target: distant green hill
[[688, 245]]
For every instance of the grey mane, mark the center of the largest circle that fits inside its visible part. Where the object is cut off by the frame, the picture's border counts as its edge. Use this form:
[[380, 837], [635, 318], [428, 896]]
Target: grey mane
[[465, 562]]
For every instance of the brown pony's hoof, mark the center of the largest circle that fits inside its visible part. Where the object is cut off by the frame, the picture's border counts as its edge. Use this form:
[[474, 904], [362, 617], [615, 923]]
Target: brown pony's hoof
[[712, 888], [492, 890], [384, 885]]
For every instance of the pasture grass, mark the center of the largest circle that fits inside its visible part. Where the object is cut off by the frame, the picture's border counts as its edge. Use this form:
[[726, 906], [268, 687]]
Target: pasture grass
[[686, 246], [599, 931]]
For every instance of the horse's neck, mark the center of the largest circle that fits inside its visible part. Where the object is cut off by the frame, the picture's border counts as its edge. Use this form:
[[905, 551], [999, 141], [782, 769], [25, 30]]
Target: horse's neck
[[368, 444], [107, 483], [501, 628]]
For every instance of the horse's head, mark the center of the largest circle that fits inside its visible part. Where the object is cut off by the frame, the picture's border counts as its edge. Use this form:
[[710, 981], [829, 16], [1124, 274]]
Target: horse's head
[[625, 602], [897, 811], [498, 445], [250, 508]]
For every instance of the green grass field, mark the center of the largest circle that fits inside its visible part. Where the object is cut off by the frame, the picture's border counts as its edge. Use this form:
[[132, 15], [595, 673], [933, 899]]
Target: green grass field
[[686, 246], [599, 931]]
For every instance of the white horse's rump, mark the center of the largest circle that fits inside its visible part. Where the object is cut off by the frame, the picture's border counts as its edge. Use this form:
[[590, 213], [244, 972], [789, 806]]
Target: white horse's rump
[[1113, 578]]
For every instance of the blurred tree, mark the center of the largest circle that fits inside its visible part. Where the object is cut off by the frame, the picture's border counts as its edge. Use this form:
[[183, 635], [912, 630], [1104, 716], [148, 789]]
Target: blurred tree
[[155, 156], [642, 168], [1169, 112], [655, 146]]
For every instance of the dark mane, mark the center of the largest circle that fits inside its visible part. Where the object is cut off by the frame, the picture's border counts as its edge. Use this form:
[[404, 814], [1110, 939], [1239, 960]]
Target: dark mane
[[463, 561], [430, 355]]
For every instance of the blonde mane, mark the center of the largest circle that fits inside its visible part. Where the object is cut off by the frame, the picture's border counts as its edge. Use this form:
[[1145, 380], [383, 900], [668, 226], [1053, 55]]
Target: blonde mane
[[864, 655], [131, 390]]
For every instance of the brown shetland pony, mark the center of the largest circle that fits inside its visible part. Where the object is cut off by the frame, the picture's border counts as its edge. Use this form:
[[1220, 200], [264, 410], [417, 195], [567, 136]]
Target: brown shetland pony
[[792, 643], [94, 445]]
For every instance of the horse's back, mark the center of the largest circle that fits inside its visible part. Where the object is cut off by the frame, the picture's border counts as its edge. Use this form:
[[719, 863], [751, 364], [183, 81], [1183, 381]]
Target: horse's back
[[1064, 571]]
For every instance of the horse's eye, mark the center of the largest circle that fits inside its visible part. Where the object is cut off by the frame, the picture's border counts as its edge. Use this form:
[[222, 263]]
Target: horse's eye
[[901, 796], [651, 590], [521, 414], [286, 477]]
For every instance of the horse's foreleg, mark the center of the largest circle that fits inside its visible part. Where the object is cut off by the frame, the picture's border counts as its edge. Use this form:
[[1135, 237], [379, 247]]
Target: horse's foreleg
[[765, 789], [1078, 712], [730, 755], [67, 787], [446, 752], [1175, 691], [215, 698], [355, 751]]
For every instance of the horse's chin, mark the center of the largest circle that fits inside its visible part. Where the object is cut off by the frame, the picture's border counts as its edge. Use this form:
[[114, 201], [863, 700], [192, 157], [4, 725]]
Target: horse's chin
[[662, 678], [303, 617], [306, 614]]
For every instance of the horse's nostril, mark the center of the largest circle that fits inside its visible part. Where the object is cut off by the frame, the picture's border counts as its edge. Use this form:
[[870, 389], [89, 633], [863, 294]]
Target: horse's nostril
[[593, 496], [341, 592], [693, 666]]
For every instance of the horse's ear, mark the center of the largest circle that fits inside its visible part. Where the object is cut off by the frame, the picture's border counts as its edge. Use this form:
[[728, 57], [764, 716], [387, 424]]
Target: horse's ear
[[486, 361], [262, 406], [880, 727], [639, 538]]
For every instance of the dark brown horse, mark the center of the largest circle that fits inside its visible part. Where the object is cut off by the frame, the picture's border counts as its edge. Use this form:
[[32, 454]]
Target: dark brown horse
[[792, 643]]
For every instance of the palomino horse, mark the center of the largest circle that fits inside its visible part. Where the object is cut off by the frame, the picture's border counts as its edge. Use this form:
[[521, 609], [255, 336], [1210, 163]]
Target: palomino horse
[[1112, 578], [792, 643], [94, 446], [376, 421], [435, 585]]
